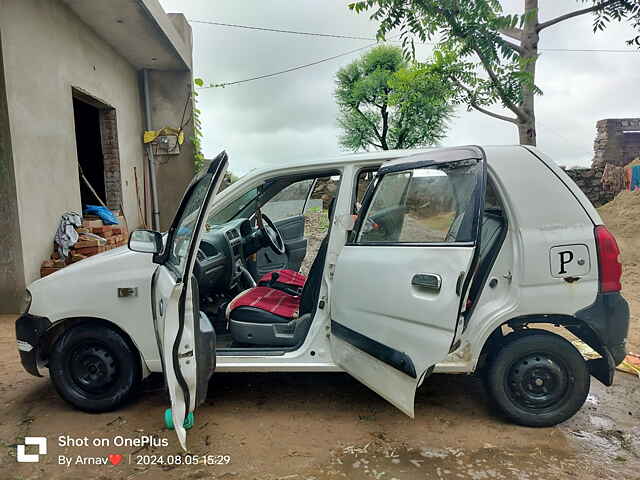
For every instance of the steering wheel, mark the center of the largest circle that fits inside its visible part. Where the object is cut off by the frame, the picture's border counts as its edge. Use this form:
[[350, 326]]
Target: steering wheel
[[272, 234]]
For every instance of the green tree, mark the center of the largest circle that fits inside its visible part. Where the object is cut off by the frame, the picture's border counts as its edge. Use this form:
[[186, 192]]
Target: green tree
[[385, 102], [490, 57]]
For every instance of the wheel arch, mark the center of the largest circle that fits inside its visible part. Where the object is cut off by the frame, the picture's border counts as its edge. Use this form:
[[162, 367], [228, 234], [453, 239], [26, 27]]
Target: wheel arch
[[62, 326], [599, 368]]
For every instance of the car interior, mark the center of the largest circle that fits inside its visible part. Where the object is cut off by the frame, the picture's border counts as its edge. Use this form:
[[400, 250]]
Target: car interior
[[249, 263]]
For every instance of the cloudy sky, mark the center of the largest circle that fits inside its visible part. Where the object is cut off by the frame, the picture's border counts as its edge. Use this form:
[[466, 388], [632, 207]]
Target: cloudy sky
[[294, 115]]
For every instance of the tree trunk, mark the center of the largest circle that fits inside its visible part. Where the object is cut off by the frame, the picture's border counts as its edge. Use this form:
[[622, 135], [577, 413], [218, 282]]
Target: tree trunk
[[385, 127], [527, 132], [529, 57]]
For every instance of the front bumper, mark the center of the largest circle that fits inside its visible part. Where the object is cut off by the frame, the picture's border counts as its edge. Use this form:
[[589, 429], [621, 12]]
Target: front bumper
[[608, 322], [29, 330]]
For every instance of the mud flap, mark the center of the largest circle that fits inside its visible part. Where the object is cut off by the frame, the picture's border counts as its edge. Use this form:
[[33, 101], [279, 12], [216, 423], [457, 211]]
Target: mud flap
[[603, 368]]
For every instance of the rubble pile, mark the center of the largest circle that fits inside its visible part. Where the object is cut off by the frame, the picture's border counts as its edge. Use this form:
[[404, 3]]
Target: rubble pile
[[94, 237]]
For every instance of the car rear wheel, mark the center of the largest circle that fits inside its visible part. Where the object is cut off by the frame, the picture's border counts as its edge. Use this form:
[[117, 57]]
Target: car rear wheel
[[538, 379], [94, 368]]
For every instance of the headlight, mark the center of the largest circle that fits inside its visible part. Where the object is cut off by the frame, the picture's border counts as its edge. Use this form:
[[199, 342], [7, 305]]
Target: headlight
[[26, 302]]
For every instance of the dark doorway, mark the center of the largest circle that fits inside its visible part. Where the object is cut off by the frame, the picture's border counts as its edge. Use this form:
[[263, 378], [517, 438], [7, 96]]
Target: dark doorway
[[90, 155]]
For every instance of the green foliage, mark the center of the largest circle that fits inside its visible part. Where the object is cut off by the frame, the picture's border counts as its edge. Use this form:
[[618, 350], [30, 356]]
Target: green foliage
[[385, 102], [489, 56], [196, 138], [463, 31]]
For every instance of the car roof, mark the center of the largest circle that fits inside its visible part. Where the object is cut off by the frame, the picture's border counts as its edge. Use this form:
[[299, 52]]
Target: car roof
[[370, 157]]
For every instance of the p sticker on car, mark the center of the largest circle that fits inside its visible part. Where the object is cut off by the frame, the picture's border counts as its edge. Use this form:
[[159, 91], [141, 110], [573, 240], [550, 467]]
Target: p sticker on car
[[569, 260]]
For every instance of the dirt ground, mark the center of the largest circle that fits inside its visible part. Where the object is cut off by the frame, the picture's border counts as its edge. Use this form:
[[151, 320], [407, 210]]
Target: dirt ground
[[321, 426], [301, 426]]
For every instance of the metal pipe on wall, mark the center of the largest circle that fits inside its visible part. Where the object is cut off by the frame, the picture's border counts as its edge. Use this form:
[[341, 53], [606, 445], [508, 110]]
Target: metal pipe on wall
[[155, 209]]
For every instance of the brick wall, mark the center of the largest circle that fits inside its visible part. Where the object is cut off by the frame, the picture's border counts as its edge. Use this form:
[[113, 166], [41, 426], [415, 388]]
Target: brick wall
[[590, 182], [111, 155], [617, 143]]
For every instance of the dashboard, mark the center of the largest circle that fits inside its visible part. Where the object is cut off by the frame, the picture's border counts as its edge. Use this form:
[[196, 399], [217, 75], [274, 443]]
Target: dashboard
[[222, 255]]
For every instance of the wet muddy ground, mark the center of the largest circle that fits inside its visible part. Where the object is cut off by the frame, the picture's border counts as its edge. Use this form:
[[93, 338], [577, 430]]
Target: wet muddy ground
[[320, 426]]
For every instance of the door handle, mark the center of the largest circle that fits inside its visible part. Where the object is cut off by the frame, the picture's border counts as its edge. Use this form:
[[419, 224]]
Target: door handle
[[430, 281]]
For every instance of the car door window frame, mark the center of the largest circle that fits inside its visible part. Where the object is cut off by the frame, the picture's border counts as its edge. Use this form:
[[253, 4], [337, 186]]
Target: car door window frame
[[164, 257], [249, 209], [478, 195]]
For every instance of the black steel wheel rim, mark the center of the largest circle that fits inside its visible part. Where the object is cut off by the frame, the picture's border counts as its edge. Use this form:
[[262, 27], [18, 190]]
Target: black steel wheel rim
[[538, 382], [93, 368]]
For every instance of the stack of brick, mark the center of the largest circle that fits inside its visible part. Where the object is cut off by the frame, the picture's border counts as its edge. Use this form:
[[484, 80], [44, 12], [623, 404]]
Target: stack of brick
[[110, 237]]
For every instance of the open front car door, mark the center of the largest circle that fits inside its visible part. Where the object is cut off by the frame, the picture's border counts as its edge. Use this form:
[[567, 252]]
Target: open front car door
[[186, 339], [401, 281]]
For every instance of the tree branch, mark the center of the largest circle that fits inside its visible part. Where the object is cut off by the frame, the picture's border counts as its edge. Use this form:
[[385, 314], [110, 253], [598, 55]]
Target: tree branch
[[575, 13], [371, 124], [474, 105], [513, 46], [515, 33], [493, 114], [496, 83]]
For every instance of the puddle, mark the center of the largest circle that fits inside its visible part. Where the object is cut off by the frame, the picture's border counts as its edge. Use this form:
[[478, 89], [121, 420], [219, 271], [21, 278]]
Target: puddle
[[602, 422], [610, 443], [381, 461]]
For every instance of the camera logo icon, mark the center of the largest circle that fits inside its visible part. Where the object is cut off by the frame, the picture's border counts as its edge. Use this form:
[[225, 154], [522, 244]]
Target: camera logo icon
[[24, 457]]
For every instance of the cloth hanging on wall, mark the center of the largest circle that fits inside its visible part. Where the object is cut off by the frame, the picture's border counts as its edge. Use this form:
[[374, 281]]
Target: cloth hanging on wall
[[634, 183]]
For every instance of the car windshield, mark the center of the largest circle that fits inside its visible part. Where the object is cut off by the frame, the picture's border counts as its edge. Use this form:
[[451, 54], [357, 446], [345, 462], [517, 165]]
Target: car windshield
[[234, 209]]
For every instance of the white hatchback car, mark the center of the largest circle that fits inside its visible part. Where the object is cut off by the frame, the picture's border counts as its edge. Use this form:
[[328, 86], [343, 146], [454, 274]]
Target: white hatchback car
[[453, 259]]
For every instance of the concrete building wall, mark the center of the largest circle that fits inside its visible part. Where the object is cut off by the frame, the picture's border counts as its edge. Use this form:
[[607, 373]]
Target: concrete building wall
[[11, 278], [48, 51], [169, 93]]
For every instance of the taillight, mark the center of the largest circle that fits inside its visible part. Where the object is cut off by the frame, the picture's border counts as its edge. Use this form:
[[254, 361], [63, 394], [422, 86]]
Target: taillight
[[610, 269]]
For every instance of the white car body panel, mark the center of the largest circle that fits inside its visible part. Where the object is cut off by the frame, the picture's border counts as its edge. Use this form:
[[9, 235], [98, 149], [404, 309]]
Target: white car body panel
[[378, 298], [89, 288]]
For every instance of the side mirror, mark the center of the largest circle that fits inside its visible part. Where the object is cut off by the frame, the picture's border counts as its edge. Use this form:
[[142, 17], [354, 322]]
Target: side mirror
[[145, 241]]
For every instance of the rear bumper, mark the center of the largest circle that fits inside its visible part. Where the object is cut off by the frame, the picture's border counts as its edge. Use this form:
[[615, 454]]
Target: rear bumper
[[608, 322], [29, 329]]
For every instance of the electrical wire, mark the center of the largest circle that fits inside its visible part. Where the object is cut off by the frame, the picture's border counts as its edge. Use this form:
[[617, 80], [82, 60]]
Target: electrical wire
[[588, 50], [350, 37], [306, 65], [277, 30], [333, 57]]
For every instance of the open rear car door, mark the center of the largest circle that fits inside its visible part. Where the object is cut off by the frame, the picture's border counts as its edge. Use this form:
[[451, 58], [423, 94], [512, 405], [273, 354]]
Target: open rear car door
[[186, 339], [401, 281]]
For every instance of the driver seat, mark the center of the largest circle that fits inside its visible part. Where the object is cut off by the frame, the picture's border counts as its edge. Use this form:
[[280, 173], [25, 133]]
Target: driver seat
[[288, 280], [269, 317], [279, 317]]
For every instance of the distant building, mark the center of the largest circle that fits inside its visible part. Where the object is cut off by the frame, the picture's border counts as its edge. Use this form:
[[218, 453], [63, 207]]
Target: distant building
[[71, 93]]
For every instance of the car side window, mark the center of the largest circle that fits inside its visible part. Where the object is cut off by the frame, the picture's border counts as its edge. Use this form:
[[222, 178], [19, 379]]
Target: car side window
[[289, 202], [426, 205], [364, 179]]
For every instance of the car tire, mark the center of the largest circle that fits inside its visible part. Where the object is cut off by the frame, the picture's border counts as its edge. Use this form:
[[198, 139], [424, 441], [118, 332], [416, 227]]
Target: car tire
[[94, 368], [538, 379]]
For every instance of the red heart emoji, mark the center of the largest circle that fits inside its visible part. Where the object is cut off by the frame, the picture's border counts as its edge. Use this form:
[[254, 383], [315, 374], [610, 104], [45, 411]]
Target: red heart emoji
[[115, 458]]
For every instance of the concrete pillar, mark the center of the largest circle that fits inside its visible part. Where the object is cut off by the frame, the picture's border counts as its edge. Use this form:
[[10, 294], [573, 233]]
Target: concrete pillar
[[12, 281], [170, 91]]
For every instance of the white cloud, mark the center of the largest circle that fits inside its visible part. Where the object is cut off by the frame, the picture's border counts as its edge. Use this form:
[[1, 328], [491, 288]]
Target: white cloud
[[293, 115]]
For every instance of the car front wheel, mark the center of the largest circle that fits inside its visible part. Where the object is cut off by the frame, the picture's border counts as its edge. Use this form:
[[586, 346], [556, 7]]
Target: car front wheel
[[538, 379], [94, 368]]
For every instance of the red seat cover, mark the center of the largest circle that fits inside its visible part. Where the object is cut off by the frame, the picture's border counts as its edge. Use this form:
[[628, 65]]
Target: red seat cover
[[285, 276], [268, 299]]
